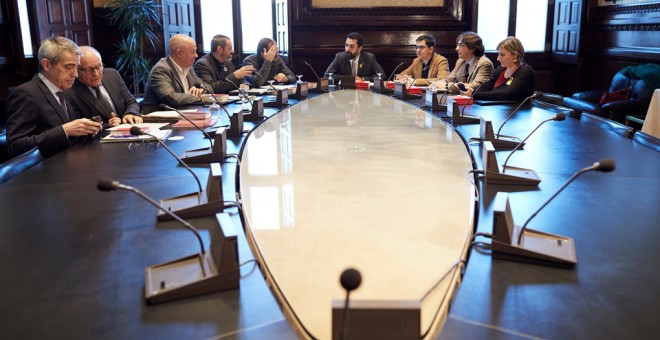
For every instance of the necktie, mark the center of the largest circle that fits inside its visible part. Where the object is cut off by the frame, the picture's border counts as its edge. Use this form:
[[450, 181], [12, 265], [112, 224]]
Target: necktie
[[467, 72], [103, 101], [353, 67], [60, 95]]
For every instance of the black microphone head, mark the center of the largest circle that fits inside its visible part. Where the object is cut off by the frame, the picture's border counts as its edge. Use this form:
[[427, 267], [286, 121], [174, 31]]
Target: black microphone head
[[560, 116], [350, 279], [200, 86], [106, 184], [605, 165], [165, 107], [538, 94], [136, 131]]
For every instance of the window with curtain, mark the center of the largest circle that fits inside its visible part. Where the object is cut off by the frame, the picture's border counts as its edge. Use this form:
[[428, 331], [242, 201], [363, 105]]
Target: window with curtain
[[493, 24], [256, 22]]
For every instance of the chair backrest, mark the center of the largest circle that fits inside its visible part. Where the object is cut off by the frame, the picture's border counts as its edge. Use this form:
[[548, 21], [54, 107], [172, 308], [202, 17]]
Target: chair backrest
[[609, 125], [18, 164], [647, 140], [637, 87]]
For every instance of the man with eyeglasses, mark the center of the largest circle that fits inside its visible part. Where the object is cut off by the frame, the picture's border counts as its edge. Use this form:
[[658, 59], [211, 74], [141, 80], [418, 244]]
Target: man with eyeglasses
[[100, 91], [38, 113], [472, 68], [354, 61], [428, 66]]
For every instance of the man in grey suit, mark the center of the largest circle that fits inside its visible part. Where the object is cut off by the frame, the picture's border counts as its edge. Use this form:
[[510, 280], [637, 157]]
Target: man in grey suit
[[216, 68], [100, 91], [354, 61], [472, 68], [173, 81], [38, 114]]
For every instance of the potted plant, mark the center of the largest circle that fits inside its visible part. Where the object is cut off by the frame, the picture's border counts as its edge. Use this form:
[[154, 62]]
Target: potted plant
[[137, 20]]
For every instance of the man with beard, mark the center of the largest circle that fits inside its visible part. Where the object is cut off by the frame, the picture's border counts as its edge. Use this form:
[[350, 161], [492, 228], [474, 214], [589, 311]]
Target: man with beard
[[354, 61], [216, 68]]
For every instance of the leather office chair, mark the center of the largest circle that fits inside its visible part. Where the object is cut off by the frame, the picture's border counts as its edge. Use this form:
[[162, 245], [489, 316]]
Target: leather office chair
[[636, 105], [3, 147], [18, 164], [609, 125], [647, 140]]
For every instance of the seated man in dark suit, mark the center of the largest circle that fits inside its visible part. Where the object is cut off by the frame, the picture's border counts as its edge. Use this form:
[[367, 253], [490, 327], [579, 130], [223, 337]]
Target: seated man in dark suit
[[100, 91], [354, 61], [269, 65], [38, 114], [216, 68], [173, 81]]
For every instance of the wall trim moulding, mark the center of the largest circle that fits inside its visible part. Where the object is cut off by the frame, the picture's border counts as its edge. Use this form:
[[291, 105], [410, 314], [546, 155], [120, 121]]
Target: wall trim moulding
[[452, 8]]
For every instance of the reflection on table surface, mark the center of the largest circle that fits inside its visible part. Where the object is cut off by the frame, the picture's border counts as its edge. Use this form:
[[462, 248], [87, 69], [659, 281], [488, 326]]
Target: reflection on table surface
[[356, 179]]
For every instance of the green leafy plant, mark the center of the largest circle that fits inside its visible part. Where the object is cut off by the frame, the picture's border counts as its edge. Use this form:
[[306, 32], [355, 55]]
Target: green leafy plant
[[136, 19]]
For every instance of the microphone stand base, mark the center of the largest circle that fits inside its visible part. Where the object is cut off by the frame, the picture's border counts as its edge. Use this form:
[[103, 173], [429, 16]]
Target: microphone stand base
[[213, 271], [464, 120], [505, 143], [205, 155], [513, 176]]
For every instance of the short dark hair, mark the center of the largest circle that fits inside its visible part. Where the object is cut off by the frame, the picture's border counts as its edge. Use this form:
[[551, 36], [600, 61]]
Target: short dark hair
[[428, 39], [218, 40], [356, 36], [472, 41], [263, 43]]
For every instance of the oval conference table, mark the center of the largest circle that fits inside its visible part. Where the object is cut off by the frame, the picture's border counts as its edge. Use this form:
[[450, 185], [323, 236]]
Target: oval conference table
[[73, 258]]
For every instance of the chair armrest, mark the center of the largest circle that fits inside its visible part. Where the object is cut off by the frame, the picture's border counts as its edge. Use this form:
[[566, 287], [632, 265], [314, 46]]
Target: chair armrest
[[589, 96], [635, 107]]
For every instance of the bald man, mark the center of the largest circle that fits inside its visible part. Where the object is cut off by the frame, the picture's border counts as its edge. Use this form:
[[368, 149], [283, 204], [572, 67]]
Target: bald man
[[173, 80], [100, 91]]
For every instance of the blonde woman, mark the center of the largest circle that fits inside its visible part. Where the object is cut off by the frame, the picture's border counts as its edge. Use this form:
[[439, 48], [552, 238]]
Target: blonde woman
[[513, 79]]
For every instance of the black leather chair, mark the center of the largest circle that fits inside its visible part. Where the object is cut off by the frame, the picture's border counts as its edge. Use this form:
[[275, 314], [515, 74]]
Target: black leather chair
[[609, 125], [647, 140], [18, 164], [636, 105], [3, 147]]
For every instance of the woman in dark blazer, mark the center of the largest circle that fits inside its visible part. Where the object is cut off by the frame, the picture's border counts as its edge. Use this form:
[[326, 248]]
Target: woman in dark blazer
[[513, 79]]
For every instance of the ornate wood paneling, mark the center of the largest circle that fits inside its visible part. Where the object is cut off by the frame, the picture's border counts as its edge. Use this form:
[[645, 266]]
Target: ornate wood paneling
[[69, 18]]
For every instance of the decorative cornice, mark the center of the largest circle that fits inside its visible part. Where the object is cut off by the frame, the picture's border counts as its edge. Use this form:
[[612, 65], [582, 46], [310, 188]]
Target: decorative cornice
[[634, 9], [375, 11], [344, 28], [628, 27]]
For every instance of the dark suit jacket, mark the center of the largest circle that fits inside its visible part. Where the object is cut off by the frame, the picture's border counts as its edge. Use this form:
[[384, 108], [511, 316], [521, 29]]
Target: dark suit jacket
[[35, 118], [165, 86], [219, 75], [87, 105], [368, 67], [517, 87]]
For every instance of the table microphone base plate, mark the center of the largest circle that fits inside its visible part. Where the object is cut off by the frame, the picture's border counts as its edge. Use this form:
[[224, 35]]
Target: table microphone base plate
[[539, 248], [190, 205], [205, 155], [513, 176]]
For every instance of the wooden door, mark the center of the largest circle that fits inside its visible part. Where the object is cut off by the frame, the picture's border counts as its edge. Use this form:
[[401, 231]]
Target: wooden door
[[178, 18], [566, 31], [67, 18]]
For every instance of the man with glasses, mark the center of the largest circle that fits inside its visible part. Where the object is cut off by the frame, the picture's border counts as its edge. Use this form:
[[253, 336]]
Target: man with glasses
[[428, 66], [472, 68], [38, 113], [100, 91], [354, 61]]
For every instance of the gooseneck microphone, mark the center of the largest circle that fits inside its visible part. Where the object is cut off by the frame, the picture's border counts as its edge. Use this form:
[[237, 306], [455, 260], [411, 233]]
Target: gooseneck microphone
[[536, 94], [350, 279], [136, 131], [558, 117], [393, 72], [471, 96], [107, 184], [604, 165], [311, 68], [166, 107], [448, 85]]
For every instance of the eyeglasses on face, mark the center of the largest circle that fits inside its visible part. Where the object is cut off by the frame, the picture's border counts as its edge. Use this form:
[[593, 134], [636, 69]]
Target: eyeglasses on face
[[420, 47], [90, 70]]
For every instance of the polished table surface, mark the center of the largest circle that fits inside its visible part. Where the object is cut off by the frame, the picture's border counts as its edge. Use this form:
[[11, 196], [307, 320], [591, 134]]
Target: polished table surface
[[73, 258], [357, 179]]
